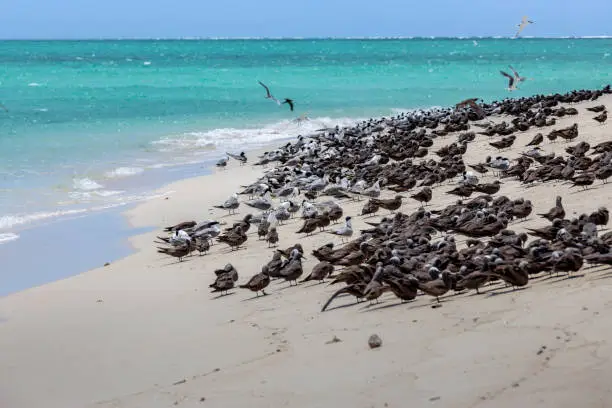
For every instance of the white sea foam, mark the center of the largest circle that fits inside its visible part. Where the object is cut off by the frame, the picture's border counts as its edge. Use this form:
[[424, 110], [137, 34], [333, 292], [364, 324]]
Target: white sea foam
[[11, 220], [8, 237], [147, 63], [245, 138], [85, 184], [34, 84], [124, 172]]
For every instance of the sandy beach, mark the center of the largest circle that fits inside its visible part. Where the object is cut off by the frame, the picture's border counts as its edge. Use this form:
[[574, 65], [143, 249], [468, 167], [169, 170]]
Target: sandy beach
[[146, 331]]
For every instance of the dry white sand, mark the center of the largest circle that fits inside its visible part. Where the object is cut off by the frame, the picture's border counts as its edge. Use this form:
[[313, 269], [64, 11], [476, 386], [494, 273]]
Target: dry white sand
[[146, 332]]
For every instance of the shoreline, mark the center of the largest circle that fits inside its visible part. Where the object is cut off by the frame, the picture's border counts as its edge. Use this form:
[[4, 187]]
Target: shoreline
[[145, 331]]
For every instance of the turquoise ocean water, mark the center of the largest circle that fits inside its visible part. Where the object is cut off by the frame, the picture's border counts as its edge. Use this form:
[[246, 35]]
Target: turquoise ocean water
[[95, 124]]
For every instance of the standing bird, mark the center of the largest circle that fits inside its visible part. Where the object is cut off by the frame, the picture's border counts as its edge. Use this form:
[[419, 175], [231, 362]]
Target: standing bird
[[602, 118], [423, 196], [231, 204], [346, 231], [272, 237], [556, 212], [258, 282], [524, 23], [537, 139]]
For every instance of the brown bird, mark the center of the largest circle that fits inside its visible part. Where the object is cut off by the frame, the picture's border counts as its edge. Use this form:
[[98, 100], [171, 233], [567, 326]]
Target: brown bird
[[324, 220], [202, 245], [584, 180], [473, 281], [601, 118], [472, 103], [537, 139], [178, 252], [272, 237], [310, 225], [464, 190], [223, 283], [370, 208], [233, 238], [392, 204], [324, 252], [437, 287], [556, 212], [600, 217], [423, 196], [405, 288], [320, 271], [180, 226], [258, 282], [597, 109], [604, 173], [504, 143], [569, 133], [228, 269], [488, 188]]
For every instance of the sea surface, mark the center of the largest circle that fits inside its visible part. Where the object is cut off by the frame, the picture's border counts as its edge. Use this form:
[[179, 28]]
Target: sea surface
[[93, 125]]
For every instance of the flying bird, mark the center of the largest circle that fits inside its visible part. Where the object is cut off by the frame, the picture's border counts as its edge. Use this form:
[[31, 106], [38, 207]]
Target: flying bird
[[290, 102], [524, 23], [472, 103], [511, 81], [3, 107], [268, 94], [517, 77]]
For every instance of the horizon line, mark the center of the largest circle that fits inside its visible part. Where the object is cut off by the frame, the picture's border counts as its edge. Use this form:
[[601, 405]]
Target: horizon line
[[375, 38]]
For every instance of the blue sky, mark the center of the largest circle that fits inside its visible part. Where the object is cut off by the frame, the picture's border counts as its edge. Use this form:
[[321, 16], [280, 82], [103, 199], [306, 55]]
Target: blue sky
[[305, 18]]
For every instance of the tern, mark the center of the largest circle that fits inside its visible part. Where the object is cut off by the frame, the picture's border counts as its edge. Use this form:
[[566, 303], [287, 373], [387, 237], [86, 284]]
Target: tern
[[524, 23]]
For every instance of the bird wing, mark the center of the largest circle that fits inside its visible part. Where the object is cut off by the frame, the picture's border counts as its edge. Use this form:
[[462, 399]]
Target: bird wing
[[290, 102], [266, 88], [510, 78], [516, 74], [3, 107]]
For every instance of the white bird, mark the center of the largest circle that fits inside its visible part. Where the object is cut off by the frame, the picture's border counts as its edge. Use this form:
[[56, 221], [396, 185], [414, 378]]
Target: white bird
[[500, 163], [346, 231], [231, 204], [524, 23], [373, 191], [268, 94], [272, 220], [309, 210], [468, 178], [262, 203]]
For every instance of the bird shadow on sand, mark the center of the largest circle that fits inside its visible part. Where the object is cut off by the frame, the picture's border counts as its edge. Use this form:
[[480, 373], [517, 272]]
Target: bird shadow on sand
[[175, 263], [342, 306], [229, 215], [255, 298], [582, 190], [504, 291], [223, 295], [375, 307]]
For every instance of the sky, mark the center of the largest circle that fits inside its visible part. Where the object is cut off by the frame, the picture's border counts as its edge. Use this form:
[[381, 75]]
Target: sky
[[74, 19]]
